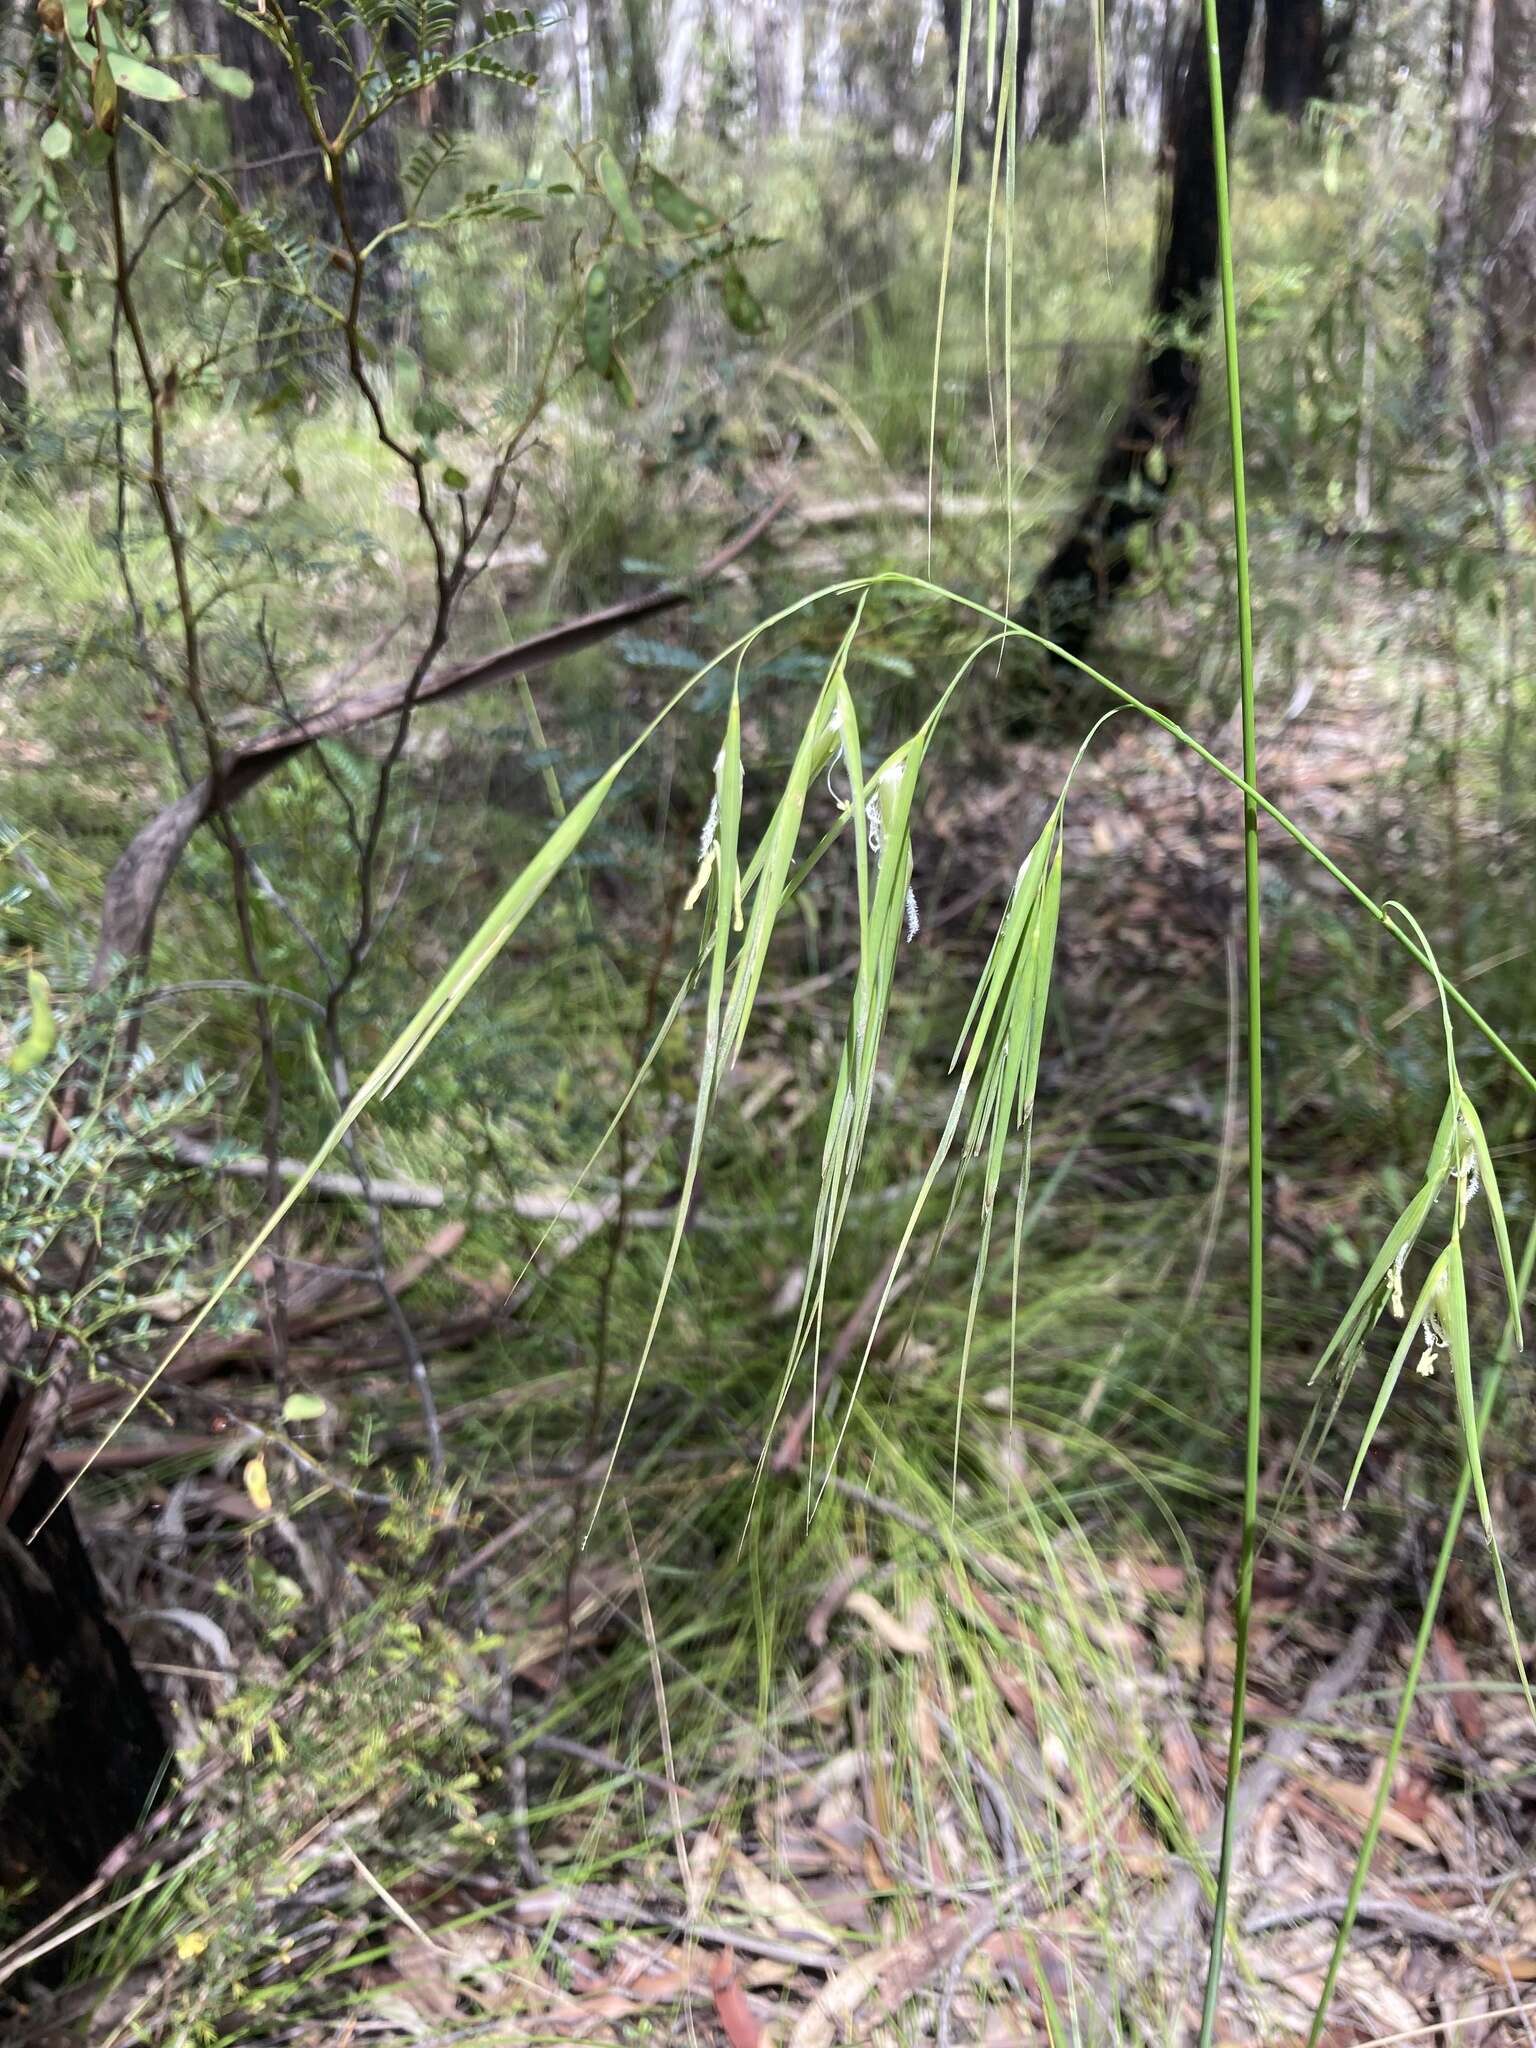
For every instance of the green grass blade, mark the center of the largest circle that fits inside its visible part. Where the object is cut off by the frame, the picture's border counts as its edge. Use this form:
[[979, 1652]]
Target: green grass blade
[[1421, 1307], [1387, 1776], [1490, 1181], [1459, 1339], [724, 852], [1370, 1296]]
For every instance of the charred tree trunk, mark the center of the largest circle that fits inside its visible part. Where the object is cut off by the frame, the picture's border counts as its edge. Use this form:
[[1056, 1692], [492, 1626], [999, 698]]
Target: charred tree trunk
[[279, 165], [1097, 555], [13, 354], [82, 1753], [1454, 237], [277, 152], [1067, 96], [1295, 54]]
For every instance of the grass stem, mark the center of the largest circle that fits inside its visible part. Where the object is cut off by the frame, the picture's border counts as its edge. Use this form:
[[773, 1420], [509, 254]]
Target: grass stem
[[1254, 1043]]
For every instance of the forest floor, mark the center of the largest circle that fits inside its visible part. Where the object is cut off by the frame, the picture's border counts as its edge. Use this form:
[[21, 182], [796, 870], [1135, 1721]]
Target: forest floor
[[951, 1778]]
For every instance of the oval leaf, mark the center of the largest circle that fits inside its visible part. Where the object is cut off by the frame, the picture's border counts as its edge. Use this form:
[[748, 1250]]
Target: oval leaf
[[303, 1408], [226, 78], [144, 79]]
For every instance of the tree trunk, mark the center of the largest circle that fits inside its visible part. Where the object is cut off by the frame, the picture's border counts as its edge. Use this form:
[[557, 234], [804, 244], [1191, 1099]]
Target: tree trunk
[[1295, 45], [644, 85], [1066, 92], [82, 1753], [1504, 386], [1097, 555], [828, 74], [13, 356], [278, 155], [767, 66], [1454, 237], [792, 17], [684, 24]]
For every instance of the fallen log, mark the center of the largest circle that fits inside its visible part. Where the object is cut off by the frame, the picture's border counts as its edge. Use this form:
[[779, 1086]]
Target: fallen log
[[137, 884]]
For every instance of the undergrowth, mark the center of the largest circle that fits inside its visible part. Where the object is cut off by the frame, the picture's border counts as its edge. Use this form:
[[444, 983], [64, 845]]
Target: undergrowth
[[1046, 1410]]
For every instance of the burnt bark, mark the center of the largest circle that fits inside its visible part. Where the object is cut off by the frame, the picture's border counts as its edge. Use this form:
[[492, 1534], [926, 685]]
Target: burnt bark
[[276, 150], [1295, 56], [1097, 555], [1067, 95], [82, 1752], [13, 355]]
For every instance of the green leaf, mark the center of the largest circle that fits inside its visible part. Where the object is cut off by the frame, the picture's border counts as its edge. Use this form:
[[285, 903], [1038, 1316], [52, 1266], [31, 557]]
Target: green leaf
[[303, 1408], [228, 78], [597, 320], [58, 140], [42, 1033], [430, 416], [610, 175], [144, 79], [455, 479]]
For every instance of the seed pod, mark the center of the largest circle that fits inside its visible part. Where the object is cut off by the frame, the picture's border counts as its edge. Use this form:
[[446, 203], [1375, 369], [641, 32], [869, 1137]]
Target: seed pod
[[623, 384], [597, 321], [610, 175], [43, 1034], [104, 95], [679, 209], [742, 307]]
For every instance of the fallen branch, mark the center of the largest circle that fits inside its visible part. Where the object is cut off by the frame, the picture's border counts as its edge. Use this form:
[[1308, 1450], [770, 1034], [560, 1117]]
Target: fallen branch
[[138, 882], [584, 1217]]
